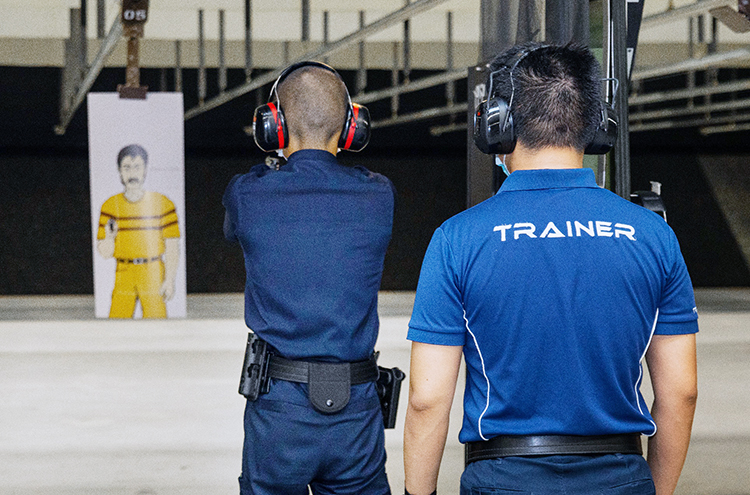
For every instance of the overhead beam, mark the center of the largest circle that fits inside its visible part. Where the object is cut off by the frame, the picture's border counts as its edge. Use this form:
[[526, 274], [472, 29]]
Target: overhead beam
[[419, 84], [383, 23], [668, 113], [680, 124], [421, 115], [682, 94], [707, 62], [737, 127], [114, 35], [697, 8]]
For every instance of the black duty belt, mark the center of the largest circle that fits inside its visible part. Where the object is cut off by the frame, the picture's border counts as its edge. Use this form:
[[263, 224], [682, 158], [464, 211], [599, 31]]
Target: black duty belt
[[533, 445], [138, 261], [299, 371], [328, 383]]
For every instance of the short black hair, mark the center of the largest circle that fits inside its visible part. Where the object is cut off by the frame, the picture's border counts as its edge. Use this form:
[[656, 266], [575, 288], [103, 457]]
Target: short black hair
[[554, 92], [132, 150], [315, 102]]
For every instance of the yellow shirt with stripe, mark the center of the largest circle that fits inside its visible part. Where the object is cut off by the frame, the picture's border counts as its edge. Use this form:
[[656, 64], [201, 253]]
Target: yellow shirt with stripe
[[142, 225]]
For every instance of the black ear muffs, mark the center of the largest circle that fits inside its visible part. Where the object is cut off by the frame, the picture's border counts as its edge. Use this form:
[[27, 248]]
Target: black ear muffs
[[494, 133], [606, 133], [270, 129]]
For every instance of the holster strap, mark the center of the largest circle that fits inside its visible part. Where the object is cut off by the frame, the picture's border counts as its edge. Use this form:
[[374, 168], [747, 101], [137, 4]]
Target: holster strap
[[533, 445], [299, 371]]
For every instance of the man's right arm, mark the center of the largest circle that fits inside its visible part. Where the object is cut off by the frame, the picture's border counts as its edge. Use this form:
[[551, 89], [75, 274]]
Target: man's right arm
[[106, 246], [432, 384], [672, 365]]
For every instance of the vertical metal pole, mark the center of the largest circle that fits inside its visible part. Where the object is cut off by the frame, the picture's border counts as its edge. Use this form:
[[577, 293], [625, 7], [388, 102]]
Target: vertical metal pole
[[305, 20], [691, 37], [713, 44], [178, 66], [407, 48], [285, 50], [450, 88], [84, 39], [603, 160], [248, 39], [201, 59], [362, 69], [325, 32], [620, 59], [222, 54], [101, 19], [72, 73], [394, 80]]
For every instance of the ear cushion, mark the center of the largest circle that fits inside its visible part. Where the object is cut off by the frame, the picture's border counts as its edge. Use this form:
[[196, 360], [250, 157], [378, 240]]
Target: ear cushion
[[269, 128], [356, 132], [606, 133], [493, 127]]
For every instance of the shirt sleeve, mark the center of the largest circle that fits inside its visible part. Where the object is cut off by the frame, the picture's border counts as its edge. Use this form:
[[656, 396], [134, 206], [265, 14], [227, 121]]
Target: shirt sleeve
[[169, 223], [438, 316], [677, 311], [104, 217]]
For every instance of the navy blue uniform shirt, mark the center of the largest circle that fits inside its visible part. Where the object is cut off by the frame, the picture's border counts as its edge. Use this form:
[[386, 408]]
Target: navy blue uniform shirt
[[314, 236]]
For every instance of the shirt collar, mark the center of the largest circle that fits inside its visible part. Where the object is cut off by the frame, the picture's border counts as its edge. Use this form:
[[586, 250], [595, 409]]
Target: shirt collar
[[312, 155], [525, 180]]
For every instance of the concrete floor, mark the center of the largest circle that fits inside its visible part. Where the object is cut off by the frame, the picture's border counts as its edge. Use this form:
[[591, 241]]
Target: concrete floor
[[141, 407]]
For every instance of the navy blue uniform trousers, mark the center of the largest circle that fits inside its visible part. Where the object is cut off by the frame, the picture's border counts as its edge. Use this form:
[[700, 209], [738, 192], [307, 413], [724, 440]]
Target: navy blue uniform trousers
[[615, 474], [290, 446]]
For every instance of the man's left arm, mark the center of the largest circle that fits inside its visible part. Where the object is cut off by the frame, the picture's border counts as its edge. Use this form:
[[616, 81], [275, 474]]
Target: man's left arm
[[672, 365], [432, 385], [171, 262]]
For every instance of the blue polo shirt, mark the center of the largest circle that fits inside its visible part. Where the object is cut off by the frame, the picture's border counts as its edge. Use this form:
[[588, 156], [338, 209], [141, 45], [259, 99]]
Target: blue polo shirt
[[554, 287], [314, 236]]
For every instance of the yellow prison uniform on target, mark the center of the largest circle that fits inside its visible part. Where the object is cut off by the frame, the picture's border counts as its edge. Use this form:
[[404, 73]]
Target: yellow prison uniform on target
[[139, 246]]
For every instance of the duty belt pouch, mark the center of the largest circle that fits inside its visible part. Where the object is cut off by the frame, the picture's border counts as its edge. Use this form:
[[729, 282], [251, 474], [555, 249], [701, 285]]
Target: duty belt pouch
[[329, 386]]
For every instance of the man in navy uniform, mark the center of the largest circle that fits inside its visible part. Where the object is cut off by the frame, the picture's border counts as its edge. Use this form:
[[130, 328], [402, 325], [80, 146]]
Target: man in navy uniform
[[314, 235], [554, 290]]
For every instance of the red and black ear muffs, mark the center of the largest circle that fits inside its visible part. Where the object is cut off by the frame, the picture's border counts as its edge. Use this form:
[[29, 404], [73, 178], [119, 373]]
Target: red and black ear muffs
[[494, 133], [270, 129]]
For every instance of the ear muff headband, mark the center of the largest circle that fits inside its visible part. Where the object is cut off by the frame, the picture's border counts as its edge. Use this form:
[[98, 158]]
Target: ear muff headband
[[269, 125]]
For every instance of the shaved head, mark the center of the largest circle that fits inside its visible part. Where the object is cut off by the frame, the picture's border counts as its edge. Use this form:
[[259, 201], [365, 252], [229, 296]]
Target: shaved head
[[314, 101]]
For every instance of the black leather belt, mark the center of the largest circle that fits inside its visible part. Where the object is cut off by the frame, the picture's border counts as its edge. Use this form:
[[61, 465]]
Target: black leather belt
[[299, 371], [531, 445], [138, 261], [329, 384]]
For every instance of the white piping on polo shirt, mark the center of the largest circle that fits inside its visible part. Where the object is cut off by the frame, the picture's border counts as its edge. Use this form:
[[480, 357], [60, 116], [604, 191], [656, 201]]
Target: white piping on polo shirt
[[484, 372], [640, 366]]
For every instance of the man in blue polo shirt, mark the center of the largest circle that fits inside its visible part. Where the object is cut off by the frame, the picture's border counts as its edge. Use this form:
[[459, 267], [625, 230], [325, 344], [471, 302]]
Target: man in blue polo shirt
[[554, 290], [314, 235]]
